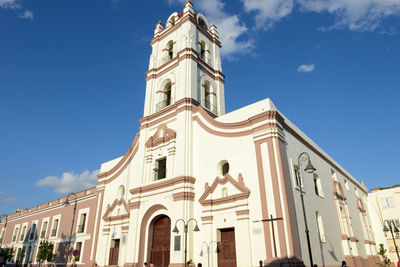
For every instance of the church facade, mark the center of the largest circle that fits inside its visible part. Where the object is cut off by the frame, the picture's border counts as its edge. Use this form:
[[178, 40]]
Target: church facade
[[222, 189]]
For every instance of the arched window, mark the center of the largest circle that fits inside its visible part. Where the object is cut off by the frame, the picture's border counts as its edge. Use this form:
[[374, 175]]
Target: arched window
[[207, 100], [225, 168], [170, 49], [167, 94], [202, 50], [222, 168], [165, 98], [320, 227], [202, 23]]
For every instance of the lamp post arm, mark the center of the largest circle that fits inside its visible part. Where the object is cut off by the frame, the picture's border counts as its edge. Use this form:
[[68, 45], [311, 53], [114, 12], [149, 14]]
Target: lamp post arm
[[302, 158], [176, 223], [191, 219], [73, 216]]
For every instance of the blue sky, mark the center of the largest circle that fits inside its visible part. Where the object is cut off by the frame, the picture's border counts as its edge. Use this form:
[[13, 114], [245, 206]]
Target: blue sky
[[72, 82]]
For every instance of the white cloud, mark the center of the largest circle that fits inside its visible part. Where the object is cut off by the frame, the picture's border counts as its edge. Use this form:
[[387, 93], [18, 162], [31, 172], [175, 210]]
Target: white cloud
[[268, 12], [27, 15], [15, 4], [70, 182], [12, 4], [230, 28], [6, 200], [358, 15], [306, 68]]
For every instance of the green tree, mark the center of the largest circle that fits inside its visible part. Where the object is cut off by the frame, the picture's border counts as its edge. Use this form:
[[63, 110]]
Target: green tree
[[45, 252], [20, 255], [382, 252], [6, 253]]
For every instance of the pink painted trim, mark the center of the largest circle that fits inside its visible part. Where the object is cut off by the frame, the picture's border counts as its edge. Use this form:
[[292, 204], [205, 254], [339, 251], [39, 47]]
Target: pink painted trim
[[123, 160], [143, 229], [163, 184], [183, 196], [293, 234], [110, 208], [244, 191], [156, 139], [263, 199]]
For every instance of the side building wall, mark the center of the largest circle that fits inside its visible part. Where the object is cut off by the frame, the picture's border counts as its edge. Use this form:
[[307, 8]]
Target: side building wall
[[338, 222], [52, 221]]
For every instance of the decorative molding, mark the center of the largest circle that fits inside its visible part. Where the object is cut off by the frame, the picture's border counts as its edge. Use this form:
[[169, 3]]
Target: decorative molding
[[183, 196], [167, 135], [134, 205], [110, 209], [360, 205], [207, 218], [353, 239], [242, 212], [338, 195], [163, 184], [244, 191], [345, 237]]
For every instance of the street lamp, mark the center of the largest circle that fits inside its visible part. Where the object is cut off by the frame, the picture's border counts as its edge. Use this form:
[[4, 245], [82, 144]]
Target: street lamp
[[389, 225], [185, 229], [67, 203], [5, 226], [309, 169], [208, 250]]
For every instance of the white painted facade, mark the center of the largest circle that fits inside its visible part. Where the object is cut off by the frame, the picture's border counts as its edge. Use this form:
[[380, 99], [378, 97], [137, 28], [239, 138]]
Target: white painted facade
[[261, 147], [384, 204]]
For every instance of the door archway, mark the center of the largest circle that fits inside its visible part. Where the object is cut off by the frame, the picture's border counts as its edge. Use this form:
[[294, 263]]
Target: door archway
[[159, 241]]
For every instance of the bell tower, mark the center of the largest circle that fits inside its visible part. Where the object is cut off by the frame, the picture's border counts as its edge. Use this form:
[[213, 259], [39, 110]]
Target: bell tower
[[185, 63]]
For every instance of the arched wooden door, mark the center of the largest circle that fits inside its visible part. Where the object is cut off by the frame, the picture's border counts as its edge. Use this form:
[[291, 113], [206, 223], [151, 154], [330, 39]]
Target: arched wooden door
[[160, 245]]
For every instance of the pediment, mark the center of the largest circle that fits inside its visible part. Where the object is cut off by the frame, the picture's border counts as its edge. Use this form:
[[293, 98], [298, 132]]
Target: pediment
[[224, 190], [117, 210], [161, 136]]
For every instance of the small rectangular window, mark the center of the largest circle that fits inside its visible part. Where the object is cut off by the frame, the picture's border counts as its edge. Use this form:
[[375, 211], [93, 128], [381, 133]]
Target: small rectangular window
[[161, 168], [82, 221], [23, 234], [2, 236], [387, 202], [177, 243], [318, 186], [33, 232], [79, 248], [55, 227], [44, 228], [15, 235], [297, 175], [346, 185]]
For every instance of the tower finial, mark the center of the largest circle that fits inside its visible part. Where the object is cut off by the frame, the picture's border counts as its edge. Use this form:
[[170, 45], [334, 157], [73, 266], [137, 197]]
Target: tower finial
[[188, 7]]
